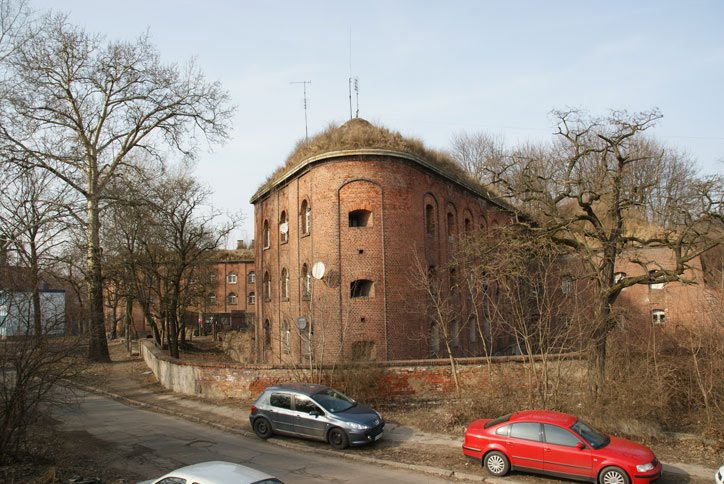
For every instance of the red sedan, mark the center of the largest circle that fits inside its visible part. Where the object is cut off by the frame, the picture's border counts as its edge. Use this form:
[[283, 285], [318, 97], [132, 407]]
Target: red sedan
[[560, 445]]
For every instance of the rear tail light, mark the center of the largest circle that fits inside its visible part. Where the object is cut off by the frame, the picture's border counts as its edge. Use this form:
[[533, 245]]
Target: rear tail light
[[253, 408]]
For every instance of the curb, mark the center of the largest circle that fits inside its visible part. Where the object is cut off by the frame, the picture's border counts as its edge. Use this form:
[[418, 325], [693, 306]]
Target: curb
[[429, 470]]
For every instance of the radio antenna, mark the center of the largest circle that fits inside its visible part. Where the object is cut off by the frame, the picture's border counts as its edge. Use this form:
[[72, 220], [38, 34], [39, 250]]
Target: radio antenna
[[349, 79], [304, 85], [356, 91]]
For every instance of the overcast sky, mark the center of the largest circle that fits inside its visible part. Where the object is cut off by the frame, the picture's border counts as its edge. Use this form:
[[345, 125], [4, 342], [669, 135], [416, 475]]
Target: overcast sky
[[430, 69]]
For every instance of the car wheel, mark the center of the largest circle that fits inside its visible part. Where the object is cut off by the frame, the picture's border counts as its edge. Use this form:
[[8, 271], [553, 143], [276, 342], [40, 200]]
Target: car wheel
[[263, 428], [496, 463], [337, 438], [613, 475]]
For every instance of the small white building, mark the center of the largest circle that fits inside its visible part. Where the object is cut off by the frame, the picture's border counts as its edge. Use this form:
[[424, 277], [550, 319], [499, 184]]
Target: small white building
[[16, 312]]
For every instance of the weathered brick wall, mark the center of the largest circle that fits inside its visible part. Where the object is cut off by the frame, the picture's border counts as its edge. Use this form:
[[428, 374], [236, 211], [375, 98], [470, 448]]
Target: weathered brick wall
[[420, 379], [396, 191]]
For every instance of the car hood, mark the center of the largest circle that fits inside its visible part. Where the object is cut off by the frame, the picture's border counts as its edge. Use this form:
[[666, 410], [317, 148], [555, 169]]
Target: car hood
[[625, 449], [360, 414]]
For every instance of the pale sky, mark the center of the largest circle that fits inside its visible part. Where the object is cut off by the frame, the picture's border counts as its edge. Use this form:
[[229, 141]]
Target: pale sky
[[430, 69]]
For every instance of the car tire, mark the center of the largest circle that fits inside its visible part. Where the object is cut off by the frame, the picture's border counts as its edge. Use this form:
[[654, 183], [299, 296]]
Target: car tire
[[338, 438], [262, 428], [496, 463], [613, 475]]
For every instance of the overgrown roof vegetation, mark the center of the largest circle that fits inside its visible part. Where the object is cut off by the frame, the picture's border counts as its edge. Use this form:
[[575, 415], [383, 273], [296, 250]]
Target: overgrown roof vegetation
[[359, 133]]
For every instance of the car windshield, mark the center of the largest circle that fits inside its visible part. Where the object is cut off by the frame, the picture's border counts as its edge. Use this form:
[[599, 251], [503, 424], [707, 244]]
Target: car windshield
[[333, 401], [594, 438]]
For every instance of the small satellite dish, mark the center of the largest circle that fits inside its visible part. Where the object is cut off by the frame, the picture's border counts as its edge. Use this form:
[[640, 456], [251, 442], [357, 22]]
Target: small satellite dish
[[284, 228], [301, 322], [318, 270]]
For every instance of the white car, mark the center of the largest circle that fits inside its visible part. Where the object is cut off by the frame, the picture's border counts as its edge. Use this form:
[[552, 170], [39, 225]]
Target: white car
[[719, 476], [215, 472]]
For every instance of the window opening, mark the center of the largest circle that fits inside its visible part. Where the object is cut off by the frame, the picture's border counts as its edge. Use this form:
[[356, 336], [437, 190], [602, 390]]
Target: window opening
[[285, 283], [283, 227], [306, 217], [231, 298], [360, 218], [231, 278], [267, 286], [266, 237], [658, 316], [306, 282], [362, 288], [252, 298], [429, 220]]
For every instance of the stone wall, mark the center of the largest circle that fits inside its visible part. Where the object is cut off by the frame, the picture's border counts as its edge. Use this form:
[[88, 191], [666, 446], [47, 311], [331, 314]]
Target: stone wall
[[423, 379]]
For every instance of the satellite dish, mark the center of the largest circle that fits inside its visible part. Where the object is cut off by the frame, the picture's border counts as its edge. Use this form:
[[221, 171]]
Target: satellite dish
[[318, 270], [284, 228], [301, 322]]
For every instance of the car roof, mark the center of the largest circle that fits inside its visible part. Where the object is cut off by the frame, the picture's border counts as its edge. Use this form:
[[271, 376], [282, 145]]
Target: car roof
[[304, 388], [219, 472], [545, 416]]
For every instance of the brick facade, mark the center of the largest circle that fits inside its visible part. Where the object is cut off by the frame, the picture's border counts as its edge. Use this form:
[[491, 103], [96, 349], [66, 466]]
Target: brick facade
[[371, 215]]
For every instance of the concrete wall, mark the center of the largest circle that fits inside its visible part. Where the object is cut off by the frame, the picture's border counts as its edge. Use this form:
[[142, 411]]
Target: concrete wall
[[418, 379]]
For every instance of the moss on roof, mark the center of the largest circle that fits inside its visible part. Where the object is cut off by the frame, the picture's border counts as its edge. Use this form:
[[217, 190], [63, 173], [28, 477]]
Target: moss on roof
[[359, 133], [233, 255]]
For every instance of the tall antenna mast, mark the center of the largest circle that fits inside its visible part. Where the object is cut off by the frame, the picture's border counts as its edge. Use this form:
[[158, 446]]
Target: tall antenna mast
[[356, 90], [349, 79], [304, 85]]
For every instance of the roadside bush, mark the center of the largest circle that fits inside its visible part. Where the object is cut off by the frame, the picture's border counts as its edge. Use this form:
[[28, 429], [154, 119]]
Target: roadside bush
[[31, 369], [362, 381], [664, 378]]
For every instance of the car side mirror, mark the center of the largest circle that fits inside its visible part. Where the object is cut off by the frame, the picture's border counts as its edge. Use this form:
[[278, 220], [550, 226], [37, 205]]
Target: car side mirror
[[315, 413], [580, 446]]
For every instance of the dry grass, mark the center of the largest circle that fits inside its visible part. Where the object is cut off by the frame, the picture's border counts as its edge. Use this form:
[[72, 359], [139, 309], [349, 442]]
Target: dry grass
[[361, 134]]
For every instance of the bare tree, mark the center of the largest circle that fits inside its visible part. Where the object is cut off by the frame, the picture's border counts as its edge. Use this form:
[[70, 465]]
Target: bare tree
[[585, 193], [79, 107], [163, 234], [32, 224]]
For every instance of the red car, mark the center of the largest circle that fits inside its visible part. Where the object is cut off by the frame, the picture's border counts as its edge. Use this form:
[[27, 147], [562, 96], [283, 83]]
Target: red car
[[560, 445]]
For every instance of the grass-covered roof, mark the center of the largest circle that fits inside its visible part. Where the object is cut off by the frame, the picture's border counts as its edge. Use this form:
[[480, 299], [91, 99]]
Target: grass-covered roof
[[359, 134]]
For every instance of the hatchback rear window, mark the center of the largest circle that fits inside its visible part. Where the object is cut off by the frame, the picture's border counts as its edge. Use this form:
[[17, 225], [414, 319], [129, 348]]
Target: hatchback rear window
[[281, 400], [497, 421]]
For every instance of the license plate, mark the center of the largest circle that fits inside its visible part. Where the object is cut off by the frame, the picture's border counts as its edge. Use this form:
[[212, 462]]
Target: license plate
[[378, 437]]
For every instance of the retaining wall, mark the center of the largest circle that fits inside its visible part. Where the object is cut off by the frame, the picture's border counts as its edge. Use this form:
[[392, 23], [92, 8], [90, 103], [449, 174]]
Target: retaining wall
[[419, 379]]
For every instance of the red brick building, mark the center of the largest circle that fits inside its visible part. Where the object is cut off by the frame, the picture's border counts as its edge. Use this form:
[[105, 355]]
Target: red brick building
[[230, 301], [340, 231]]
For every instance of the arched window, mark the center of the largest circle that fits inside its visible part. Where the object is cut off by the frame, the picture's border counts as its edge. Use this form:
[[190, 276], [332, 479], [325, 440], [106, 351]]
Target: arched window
[[231, 298], [211, 299], [286, 337], [267, 286], [434, 339], [306, 282], [566, 284], [231, 278], [252, 298], [266, 236], [362, 288], [212, 277], [306, 213], [267, 335], [283, 227], [360, 218], [285, 284], [251, 277], [451, 226], [430, 220]]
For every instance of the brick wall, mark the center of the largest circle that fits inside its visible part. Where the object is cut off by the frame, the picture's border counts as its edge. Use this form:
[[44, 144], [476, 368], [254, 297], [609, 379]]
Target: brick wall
[[390, 322], [420, 379]]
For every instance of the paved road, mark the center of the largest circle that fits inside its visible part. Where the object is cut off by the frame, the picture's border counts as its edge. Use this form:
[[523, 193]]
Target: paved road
[[152, 444]]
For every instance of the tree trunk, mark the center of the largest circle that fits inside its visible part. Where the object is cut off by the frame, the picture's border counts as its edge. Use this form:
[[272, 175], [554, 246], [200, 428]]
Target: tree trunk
[[97, 344]]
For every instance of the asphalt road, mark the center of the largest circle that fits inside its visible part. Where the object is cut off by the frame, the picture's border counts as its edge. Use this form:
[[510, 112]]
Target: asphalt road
[[151, 444]]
